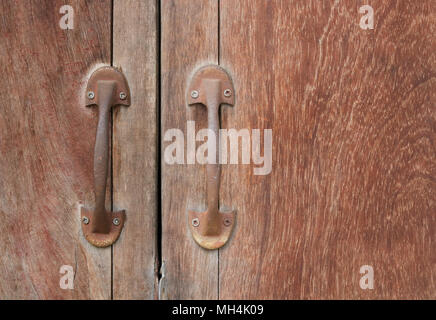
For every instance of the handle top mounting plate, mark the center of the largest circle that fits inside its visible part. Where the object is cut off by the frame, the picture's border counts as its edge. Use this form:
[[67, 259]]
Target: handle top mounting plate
[[121, 95], [203, 78]]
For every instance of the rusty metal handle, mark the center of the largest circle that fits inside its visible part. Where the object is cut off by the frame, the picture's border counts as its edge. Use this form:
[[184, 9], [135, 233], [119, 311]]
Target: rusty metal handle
[[101, 222], [106, 88], [211, 86], [213, 219]]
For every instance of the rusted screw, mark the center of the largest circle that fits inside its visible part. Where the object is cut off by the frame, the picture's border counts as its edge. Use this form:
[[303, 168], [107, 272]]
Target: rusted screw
[[227, 93], [195, 222], [91, 95], [194, 94], [85, 220], [116, 221], [227, 222], [123, 95]]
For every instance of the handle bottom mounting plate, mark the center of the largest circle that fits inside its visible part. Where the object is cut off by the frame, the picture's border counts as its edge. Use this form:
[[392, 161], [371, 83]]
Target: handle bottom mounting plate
[[102, 240], [211, 242]]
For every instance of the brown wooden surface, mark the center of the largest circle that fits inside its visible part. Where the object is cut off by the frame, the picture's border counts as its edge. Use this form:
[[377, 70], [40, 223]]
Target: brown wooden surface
[[134, 151], [353, 177], [46, 141], [189, 40]]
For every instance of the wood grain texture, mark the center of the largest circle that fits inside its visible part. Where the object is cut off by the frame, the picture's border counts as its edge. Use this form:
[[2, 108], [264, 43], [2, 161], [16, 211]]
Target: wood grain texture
[[189, 40], [353, 176], [46, 141], [134, 151]]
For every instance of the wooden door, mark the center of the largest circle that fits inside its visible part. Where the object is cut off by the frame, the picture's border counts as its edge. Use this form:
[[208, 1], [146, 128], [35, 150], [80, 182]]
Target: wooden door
[[352, 114], [47, 137], [351, 188]]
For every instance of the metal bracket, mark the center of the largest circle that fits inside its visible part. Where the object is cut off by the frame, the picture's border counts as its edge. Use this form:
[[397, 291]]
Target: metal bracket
[[107, 87], [211, 86]]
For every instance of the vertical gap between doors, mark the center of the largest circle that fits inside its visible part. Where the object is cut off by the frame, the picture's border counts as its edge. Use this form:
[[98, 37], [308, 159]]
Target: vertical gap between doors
[[158, 149], [219, 62], [111, 147], [158, 245]]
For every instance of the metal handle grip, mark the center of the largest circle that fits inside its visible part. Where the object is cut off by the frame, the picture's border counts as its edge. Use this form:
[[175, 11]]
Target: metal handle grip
[[101, 222]]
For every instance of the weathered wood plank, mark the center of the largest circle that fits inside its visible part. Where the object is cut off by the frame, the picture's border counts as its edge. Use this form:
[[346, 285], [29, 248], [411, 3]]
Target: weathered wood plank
[[189, 40], [134, 150], [353, 176], [46, 140]]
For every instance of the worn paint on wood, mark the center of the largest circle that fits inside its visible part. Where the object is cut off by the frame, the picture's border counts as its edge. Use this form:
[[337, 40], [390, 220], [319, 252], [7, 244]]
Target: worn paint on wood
[[353, 176], [46, 141], [134, 151]]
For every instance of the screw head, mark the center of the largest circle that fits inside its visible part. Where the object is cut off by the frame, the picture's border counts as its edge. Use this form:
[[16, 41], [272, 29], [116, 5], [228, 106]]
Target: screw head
[[85, 220], [194, 94], [90, 95], [227, 93], [227, 222], [123, 95], [116, 221], [195, 222]]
